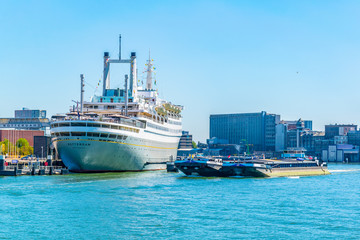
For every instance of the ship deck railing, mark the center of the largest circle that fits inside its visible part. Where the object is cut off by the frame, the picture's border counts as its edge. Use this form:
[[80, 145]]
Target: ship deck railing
[[120, 120], [125, 121]]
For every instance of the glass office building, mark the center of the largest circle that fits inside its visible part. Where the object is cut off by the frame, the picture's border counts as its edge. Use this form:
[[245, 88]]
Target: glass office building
[[256, 129]]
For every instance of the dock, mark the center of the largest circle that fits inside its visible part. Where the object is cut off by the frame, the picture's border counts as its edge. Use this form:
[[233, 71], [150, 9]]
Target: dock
[[31, 167]]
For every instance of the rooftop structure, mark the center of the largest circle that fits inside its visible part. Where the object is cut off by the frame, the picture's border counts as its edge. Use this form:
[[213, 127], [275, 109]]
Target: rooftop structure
[[28, 113], [338, 130]]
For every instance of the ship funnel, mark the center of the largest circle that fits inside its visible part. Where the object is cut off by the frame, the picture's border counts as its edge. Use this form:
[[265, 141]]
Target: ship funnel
[[106, 76], [133, 77]]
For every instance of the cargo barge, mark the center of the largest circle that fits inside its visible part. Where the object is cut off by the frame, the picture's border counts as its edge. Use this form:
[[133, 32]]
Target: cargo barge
[[218, 167]]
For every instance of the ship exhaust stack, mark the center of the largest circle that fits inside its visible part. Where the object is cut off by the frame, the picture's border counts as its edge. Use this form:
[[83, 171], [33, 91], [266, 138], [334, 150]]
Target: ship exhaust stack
[[82, 92], [106, 76], [133, 77], [126, 95]]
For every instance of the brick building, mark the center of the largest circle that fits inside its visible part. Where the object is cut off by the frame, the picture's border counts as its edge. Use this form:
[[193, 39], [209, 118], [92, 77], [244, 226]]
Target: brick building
[[14, 135]]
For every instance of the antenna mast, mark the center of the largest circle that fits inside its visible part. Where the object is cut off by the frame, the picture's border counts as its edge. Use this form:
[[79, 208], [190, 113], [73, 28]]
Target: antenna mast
[[120, 47], [149, 73], [82, 92]]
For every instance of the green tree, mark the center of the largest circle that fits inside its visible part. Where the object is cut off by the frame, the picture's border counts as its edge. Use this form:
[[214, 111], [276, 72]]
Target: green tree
[[2, 148], [194, 144], [26, 150], [8, 147], [24, 147]]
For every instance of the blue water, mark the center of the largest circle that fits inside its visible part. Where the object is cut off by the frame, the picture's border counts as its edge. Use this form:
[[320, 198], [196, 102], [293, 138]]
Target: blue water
[[160, 205]]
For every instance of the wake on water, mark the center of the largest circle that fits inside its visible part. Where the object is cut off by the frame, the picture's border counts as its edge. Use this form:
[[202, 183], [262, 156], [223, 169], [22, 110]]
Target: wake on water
[[344, 170]]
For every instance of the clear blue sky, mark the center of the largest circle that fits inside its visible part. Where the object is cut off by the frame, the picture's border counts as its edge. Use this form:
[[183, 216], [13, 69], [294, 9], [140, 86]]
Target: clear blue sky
[[293, 58]]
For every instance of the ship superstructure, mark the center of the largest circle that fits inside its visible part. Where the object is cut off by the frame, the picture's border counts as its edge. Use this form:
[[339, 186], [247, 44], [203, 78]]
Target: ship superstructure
[[128, 129]]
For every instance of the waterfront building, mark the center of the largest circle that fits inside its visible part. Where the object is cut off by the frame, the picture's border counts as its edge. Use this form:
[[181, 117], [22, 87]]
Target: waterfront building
[[322, 144], [14, 135], [298, 134], [185, 145], [306, 139], [340, 139], [26, 119], [338, 130], [271, 120], [202, 145], [354, 137], [308, 124], [341, 153], [293, 135], [185, 140], [310, 140], [281, 137], [257, 129], [222, 147], [42, 146]]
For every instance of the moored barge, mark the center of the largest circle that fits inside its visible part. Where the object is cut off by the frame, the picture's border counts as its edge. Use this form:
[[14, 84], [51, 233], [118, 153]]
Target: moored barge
[[217, 167]]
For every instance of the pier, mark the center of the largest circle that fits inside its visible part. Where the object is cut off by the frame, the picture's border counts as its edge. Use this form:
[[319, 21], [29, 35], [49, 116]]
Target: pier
[[17, 167]]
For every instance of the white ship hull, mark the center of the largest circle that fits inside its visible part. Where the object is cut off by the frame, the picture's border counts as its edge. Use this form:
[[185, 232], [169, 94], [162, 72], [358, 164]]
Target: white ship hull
[[96, 156], [140, 151]]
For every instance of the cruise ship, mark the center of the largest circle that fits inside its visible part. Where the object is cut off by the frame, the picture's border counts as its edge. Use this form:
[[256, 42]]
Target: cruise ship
[[128, 129]]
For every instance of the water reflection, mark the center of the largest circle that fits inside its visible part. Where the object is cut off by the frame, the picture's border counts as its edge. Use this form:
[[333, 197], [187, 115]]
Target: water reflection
[[91, 177]]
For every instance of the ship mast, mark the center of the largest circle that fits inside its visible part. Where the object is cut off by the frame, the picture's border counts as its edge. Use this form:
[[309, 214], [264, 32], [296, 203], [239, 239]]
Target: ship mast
[[82, 92], [149, 73]]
